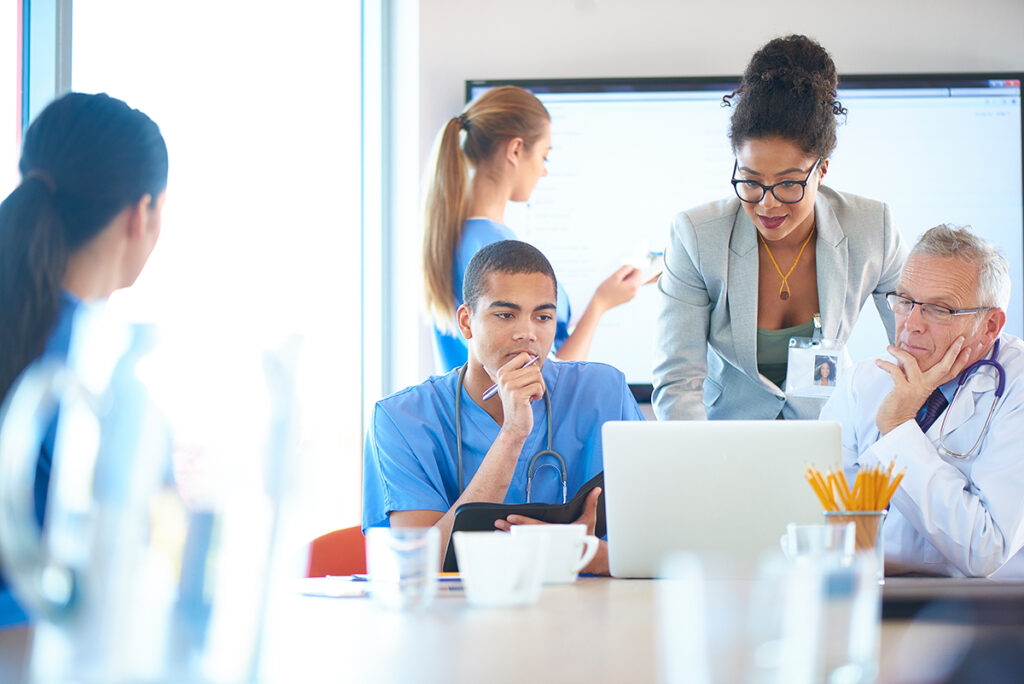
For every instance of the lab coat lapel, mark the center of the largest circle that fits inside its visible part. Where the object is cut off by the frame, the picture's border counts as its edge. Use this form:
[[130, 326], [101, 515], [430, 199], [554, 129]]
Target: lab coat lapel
[[980, 383], [742, 297], [832, 256]]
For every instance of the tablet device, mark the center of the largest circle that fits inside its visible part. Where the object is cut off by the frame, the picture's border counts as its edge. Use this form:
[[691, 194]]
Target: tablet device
[[480, 516]]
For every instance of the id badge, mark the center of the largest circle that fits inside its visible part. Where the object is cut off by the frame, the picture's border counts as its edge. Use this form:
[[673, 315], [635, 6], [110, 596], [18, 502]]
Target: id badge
[[815, 364]]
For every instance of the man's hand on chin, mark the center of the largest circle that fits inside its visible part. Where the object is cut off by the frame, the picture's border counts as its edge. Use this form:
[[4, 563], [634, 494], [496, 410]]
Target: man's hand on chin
[[911, 386]]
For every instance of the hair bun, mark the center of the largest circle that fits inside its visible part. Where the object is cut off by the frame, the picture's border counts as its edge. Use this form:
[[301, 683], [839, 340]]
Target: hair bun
[[794, 79], [789, 89], [795, 63]]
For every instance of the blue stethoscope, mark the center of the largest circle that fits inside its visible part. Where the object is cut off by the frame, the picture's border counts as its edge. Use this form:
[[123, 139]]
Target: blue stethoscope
[[533, 468], [1000, 386]]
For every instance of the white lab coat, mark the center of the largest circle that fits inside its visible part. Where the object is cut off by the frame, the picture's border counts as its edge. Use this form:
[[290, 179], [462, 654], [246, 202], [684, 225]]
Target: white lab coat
[[948, 517]]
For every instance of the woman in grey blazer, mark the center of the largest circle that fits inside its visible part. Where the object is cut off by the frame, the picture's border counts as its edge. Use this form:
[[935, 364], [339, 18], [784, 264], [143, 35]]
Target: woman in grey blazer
[[743, 275]]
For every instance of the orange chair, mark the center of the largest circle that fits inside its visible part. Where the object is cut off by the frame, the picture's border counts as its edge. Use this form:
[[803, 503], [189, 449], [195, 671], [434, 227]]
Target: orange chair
[[341, 552]]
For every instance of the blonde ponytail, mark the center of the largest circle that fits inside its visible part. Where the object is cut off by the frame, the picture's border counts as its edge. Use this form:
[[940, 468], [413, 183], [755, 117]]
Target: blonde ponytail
[[445, 214], [498, 115]]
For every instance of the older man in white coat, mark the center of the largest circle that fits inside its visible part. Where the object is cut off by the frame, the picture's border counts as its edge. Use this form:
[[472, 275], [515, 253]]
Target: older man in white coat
[[949, 409]]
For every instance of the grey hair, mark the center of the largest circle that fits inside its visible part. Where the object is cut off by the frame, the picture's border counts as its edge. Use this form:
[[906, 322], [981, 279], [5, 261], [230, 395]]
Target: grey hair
[[958, 242]]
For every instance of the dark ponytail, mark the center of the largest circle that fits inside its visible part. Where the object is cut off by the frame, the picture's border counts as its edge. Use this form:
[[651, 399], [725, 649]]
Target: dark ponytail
[[84, 159], [789, 90]]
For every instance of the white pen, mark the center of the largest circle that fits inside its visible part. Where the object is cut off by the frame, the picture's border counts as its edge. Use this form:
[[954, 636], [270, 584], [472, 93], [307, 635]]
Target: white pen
[[493, 389]]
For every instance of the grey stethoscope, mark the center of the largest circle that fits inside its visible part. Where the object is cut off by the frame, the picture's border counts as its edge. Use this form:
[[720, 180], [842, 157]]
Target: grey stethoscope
[[1000, 386], [533, 468]]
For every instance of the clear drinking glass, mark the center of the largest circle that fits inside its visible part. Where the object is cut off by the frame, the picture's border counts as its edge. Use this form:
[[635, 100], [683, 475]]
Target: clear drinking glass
[[851, 620], [868, 537], [850, 599], [723, 621], [172, 475], [801, 541], [403, 563]]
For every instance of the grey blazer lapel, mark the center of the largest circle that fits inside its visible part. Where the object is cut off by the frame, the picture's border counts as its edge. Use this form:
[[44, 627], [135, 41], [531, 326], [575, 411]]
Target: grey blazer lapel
[[832, 257], [742, 295]]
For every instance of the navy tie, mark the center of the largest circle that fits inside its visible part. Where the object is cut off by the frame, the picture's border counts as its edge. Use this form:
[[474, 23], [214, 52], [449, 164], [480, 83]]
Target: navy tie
[[933, 408]]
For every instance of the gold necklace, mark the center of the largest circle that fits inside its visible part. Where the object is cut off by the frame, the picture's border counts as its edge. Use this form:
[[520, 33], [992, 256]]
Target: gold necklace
[[784, 290]]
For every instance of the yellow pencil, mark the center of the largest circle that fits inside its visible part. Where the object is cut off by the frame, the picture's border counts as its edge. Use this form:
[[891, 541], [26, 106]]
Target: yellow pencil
[[822, 484], [892, 488], [820, 494], [845, 493]]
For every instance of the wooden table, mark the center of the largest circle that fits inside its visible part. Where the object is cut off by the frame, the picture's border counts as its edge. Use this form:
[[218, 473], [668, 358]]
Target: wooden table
[[594, 630], [597, 630]]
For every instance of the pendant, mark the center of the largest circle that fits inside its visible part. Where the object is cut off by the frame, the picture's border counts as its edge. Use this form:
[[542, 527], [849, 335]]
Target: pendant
[[784, 295]]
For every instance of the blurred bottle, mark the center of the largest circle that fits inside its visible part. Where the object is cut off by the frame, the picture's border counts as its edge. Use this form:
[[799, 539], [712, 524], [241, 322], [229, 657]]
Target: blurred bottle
[[164, 503]]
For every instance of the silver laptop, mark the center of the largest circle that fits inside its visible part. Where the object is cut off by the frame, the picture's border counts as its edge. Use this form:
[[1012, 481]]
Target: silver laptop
[[727, 487]]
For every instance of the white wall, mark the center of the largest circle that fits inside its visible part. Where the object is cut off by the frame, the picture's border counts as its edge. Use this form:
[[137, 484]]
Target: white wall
[[476, 39]]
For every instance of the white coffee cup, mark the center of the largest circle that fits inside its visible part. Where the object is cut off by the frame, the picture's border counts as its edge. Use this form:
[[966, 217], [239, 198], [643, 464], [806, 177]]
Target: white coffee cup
[[498, 569], [569, 549]]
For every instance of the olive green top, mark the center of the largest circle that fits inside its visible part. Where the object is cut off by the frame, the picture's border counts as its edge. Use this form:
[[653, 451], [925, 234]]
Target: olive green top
[[773, 350]]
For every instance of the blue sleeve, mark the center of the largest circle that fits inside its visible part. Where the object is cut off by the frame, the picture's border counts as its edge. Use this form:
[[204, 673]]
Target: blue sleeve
[[11, 614], [630, 409], [393, 477], [608, 399], [563, 315]]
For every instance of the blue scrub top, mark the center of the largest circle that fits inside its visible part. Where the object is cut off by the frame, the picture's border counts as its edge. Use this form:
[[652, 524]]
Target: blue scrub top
[[410, 458], [450, 348], [56, 348]]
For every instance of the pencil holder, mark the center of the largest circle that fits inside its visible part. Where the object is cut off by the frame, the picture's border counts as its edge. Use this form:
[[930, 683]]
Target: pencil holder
[[868, 537]]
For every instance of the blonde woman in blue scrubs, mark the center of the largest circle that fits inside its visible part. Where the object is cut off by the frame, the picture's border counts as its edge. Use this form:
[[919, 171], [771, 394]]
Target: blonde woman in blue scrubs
[[491, 154]]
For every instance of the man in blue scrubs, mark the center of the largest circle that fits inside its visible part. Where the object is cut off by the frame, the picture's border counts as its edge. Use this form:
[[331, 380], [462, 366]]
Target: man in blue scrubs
[[411, 470]]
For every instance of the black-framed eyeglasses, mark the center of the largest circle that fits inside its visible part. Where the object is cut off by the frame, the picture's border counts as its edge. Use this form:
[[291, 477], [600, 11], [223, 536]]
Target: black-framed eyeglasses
[[934, 313], [787, 192]]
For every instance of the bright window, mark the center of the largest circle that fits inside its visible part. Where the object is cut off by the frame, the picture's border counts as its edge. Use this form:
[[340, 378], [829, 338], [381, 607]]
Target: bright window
[[259, 104], [10, 104]]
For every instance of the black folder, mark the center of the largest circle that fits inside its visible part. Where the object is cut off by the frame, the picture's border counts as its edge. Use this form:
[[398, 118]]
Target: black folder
[[480, 516]]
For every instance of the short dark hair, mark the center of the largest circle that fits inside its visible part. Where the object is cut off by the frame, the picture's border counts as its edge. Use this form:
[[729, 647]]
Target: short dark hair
[[504, 256], [789, 90]]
